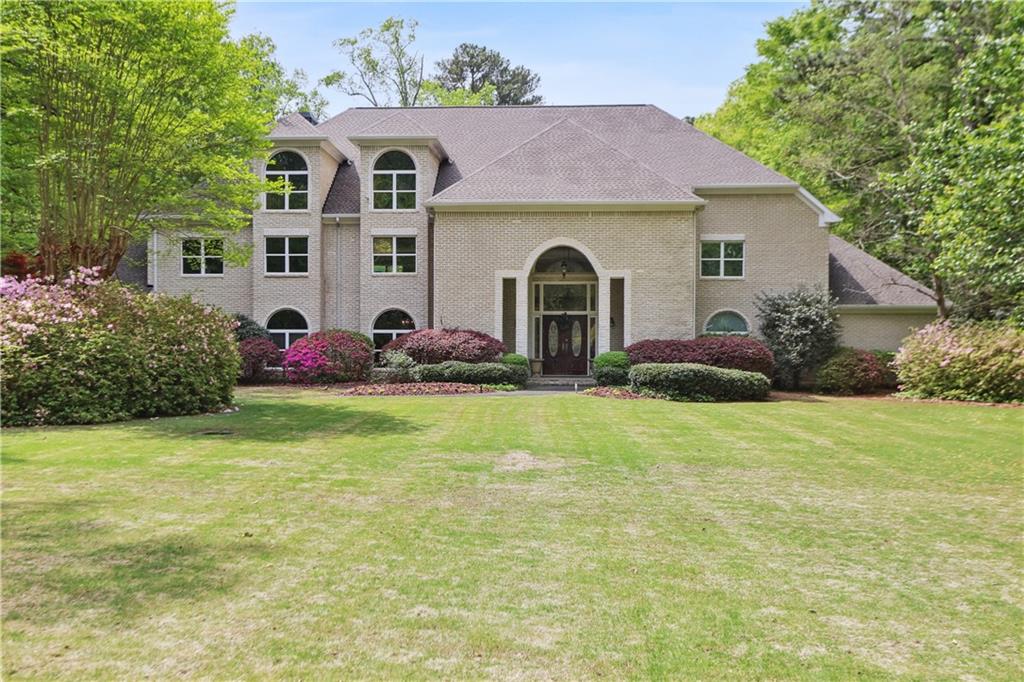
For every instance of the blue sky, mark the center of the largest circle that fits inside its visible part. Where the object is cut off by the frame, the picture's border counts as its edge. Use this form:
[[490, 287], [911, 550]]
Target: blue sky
[[679, 56]]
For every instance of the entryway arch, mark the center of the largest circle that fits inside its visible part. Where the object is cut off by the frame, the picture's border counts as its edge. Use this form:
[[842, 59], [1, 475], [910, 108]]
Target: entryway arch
[[563, 307]]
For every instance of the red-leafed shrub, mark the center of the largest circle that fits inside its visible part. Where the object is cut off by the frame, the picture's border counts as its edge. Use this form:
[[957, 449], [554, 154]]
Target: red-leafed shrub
[[849, 372], [327, 357], [727, 352], [20, 265], [431, 346], [435, 388], [257, 354]]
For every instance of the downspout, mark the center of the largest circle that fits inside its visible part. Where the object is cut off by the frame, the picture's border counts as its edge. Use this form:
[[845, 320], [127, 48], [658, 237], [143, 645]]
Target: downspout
[[337, 285], [695, 264]]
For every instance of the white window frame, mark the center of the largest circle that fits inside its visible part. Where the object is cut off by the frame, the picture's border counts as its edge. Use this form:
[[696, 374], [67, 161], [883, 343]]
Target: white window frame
[[287, 178], [727, 310], [395, 333], [394, 255], [288, 332], [287, 256], [394, 185], [721, 259], [202, 257]]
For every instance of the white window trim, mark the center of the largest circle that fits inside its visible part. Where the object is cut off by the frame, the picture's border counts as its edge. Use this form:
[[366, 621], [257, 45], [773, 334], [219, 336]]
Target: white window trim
[[394, 185], [395, 333], [394, 257], [721, 258], [287, 272], [746, 321], [288, 332], [202, 257], [287, 175]]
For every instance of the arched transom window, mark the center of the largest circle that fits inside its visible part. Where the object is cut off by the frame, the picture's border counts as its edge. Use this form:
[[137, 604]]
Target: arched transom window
[[389, 325], [394, 182], [287, 326], [291, 168], [726, 322]]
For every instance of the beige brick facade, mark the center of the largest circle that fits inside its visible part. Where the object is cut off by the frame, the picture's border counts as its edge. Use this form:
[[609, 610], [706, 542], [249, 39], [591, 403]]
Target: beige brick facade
[[784, 247], [646, 262], [880, 331]]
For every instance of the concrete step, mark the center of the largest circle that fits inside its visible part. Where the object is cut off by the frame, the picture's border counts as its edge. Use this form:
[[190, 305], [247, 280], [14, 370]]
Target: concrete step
[[568, 383]]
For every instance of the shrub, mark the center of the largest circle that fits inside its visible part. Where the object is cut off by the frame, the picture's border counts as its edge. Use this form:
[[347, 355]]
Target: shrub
[[85, 351], [399, 365], [249, 328], [612, 358], [257, 354], [801, 327], [850, 371], [727, 352], [327, 357], [688, 381], [886, 359], [973, 361], [432, 346], [473, 373], [361, 337], [611, 368], [515, 359]]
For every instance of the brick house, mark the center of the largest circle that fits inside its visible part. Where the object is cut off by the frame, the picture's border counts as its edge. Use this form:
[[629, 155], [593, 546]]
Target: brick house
[[564, 231]]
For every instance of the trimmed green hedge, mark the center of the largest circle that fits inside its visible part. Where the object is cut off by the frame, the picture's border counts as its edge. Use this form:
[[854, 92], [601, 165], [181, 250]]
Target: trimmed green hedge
[[516, 359], [703, 383], [454, 371], [611, 368]]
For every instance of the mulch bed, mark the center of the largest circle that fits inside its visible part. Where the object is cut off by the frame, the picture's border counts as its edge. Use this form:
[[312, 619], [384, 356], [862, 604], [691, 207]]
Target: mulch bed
[[436, 388], [614, 392]]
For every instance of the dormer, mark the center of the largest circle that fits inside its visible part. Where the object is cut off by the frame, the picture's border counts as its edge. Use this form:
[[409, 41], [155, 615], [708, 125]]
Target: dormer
[[303, 156]]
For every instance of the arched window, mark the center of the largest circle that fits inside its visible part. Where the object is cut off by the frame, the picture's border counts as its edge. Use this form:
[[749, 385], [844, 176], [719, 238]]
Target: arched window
[[287, 326], [394, 182], [726, 322], [390, 324], [291, 168]]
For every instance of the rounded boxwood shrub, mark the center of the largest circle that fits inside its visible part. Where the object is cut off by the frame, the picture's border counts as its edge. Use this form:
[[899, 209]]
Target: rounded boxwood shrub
[[515, 359], [257, 354], [611, 368], [432, 346], [693, 382], [971, 361], [249, 328], [84, 351], [473, 373], [327, 357], [850, 371], [727, 352]]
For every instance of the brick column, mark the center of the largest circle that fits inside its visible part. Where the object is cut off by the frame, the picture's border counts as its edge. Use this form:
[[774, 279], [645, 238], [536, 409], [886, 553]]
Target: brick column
[[604, 314]]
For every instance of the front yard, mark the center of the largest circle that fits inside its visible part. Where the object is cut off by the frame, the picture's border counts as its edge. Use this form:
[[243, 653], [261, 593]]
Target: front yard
[[518, 536]]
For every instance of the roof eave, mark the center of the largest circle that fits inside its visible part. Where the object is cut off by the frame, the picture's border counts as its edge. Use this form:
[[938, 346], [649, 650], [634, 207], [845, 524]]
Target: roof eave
[[429, 140], [659, 204], [825, 216], [324, 143], [886, 308]]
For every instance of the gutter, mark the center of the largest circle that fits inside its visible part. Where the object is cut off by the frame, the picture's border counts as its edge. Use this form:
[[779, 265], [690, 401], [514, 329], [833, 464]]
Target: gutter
[[885, 309]]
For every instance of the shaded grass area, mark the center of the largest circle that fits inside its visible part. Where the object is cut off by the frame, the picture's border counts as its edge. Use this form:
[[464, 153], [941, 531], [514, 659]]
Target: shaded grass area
[[543, 537]]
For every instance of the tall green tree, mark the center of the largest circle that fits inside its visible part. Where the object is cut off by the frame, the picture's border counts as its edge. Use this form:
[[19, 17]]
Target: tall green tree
[[292, 91], [385, 69], [844, 97], [473, 67], [123, 117]]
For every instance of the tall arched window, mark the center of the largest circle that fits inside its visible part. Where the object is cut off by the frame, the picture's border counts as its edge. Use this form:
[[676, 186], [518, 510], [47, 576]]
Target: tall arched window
[[291, 168], [287, 326], [394, 182], [726, 322], [389, 325]]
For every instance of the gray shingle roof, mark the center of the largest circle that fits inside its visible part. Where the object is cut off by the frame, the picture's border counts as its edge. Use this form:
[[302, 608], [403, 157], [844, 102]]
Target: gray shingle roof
[[671, 150], [396, 125], [856, 278], [295, 125], [563, 163]]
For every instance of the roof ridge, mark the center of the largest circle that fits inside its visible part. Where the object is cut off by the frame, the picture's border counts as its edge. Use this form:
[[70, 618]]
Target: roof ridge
[[688, 190], [499, 157]]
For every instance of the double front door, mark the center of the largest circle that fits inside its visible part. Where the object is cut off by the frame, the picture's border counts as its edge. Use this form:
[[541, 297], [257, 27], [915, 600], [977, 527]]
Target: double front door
[[565, 344]]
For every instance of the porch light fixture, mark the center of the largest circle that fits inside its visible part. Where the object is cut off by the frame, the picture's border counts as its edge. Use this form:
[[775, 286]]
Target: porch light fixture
[[565, 263]]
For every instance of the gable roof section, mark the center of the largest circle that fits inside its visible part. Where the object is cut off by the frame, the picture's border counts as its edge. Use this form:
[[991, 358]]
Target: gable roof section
[[563, 163], [857, 278], [397, 124], [295, 126]]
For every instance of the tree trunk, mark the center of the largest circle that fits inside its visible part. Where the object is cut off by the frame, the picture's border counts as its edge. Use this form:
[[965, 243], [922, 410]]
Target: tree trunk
[[940, 297]]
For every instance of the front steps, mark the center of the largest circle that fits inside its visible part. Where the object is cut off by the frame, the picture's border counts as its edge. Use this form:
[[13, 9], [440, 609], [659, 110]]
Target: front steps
[[564, 383]]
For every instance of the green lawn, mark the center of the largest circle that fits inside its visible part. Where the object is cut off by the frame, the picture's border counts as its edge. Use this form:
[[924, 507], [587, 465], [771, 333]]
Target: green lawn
[[513, 536]]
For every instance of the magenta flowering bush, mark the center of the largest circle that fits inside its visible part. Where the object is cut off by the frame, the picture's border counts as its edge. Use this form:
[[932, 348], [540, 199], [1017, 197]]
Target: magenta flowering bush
[[257, 354], [433, 346], [972, 361], [328, 357], [83, 351]]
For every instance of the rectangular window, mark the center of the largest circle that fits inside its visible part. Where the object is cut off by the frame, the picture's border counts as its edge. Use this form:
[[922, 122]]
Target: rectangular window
[[394, 190], [202, 256], [287, 255], [723, 260], [394, 254]]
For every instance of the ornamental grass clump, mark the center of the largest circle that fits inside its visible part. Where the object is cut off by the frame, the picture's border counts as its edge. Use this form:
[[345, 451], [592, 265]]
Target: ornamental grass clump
[[328, 357], [84, 351], [432, 346], [980, 361]]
